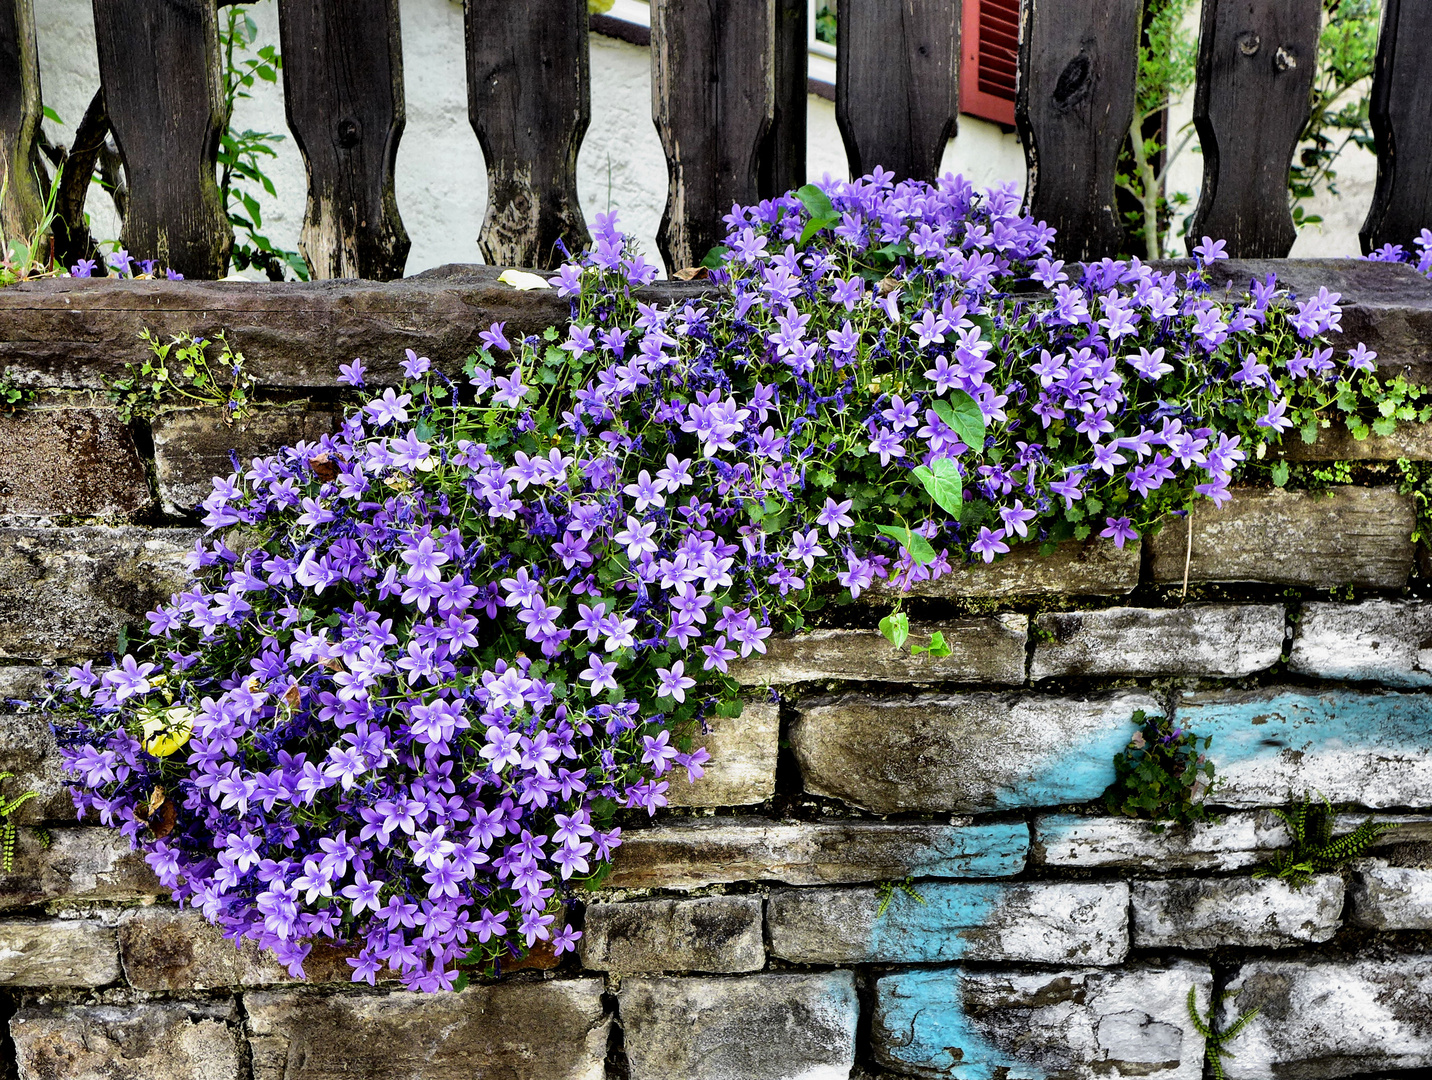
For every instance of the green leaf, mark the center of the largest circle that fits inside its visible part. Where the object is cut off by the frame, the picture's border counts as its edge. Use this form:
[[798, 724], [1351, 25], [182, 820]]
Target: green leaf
[[896, 628], [943, 481], [730, 709], [918, 547], [816, 202], [424, 429], [814, 225], [1384, 426], [938, 646], [714, 257], [962, 413], [1280, 474]]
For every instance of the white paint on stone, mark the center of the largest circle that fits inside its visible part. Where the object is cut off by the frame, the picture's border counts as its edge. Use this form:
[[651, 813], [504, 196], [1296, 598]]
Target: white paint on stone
[[1245, 912], [1392, 897], [1230, 842], [1384, 641]]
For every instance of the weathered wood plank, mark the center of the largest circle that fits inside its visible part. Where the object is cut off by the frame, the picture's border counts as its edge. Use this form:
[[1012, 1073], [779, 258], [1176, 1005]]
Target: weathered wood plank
[[343, 93], [1401, 104], [713, 86], [1256, 61], [529, 101], [783, 158], [71, 230], [897, 83], [1075, 103], [23, 204], [159, 62]]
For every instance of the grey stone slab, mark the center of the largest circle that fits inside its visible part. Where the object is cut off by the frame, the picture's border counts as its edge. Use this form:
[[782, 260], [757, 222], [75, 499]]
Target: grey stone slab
[[962, 753], [1209, 913], [27, 749], [149, 1041], [1328, 1019], [788, 1026], [1092, 567], [1035, 922], [987, 650], [554, 1029], [79, 461], [1391, 897], [66, 592], [716, 934], [1412, 441], [742, 769], [1383, 641], [1274, 745], [1232, 842], [53, 952], [1074, 1024], [714, 851], [191, 446], [1229, 640], [1345, 536], [80, 864]]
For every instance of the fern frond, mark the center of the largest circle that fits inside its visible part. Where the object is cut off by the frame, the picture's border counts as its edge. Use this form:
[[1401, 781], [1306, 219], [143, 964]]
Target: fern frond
[[1238, 1025], [1198, 1025]]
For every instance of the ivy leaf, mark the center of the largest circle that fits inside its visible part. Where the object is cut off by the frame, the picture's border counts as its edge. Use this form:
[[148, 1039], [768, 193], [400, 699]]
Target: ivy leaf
[[715, 257], [730, 709], [918, 547], [896, 628], [814, 225], [962, 413], [1384, 426], [1280, 474], [943, 481], [424, 429]]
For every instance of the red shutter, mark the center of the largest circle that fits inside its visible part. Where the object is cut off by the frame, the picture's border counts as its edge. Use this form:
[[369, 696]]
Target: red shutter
[[990, 32]]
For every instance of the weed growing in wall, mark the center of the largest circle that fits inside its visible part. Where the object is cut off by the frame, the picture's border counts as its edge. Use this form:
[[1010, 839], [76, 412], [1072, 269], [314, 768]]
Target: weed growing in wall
[[8, 829], [1162, 775], [1215, 1042], [1315, 850], [181, 372]]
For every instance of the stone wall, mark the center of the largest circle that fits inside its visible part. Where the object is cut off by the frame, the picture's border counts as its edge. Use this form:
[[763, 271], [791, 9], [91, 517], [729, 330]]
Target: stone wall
[[741, 935]]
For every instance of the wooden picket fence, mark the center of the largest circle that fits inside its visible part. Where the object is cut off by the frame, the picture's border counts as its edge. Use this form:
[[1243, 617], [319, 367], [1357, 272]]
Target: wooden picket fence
[[729, 102]]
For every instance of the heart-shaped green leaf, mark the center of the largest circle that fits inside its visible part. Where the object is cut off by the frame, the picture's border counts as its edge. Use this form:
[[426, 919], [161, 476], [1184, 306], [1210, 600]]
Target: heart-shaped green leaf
[[962, 413], [918, 547], [896, 628], [943, 481], [816, 202]]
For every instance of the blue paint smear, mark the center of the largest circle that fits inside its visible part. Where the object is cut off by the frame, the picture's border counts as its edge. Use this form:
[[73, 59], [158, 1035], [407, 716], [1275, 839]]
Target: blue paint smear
[[922, 1017], [1078, 773], [911, 932], [995, 850]]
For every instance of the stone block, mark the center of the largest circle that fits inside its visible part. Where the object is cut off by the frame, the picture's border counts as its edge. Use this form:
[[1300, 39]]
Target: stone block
[[1328, 1019], [788, 1026], [982, 651], [1233, 842], [555, 1029], [1078, 1024], [79, 461], [81, 864], [717, 934], [166, 949], [1037, 923], [1409, 440], [1384, 641], [1391, 897], [962, 753], [1229, 640], [189, 1040], [714, 851], [27, 749], [1092, 567], [57, 953], [1208, 913], [742, 769], [66, 592], [1274, 745], [1348, 536], [191, 446]]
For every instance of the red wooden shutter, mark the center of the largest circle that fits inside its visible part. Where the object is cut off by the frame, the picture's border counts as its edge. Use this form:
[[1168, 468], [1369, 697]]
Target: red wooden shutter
[[990, 35]]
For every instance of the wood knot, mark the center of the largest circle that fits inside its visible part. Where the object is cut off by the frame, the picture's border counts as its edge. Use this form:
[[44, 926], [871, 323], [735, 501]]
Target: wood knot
[[1283, 59], [350, 133], [1074, 82], [1249, 43]]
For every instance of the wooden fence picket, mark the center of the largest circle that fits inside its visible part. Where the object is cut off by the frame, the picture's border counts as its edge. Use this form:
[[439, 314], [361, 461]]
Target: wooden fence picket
[[1256, 63], [782, 165], [19, 119], [1401, 107], [159, 63], [343, 92]]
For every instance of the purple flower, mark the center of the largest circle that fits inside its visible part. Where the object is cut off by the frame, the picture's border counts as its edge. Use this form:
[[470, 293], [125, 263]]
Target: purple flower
[[1119, 530]]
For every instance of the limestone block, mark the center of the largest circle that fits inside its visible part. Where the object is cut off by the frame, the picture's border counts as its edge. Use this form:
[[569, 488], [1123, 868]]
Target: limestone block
[[982, 651], [79, 461], [556, 1030], [720, 934], [1276, 744], [786, 1026], [66, 592], [80, 864], [1228, 640], [1392, 897], [27, 749], [1077, 1024], [1384, 641], [742, 769], [52, 952], [1208, 913], [962, 753], [1348, 536], [1038, 922], [1325, 1019], [1092, 567], [1232, 842], [712, 851], [192, 1040]]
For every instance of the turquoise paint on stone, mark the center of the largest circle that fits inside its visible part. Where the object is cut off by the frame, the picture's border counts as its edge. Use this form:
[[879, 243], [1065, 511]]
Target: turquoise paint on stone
[[930, 932], [995, 850], [1079, 772], [921, 1020]]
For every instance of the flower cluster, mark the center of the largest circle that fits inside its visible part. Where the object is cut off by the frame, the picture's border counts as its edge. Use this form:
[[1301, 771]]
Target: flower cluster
[[122, 263], [430, 663], [1421, 258]]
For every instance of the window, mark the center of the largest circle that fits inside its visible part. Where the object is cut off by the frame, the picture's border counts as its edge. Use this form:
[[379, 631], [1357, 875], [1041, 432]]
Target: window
[[990, 59]]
